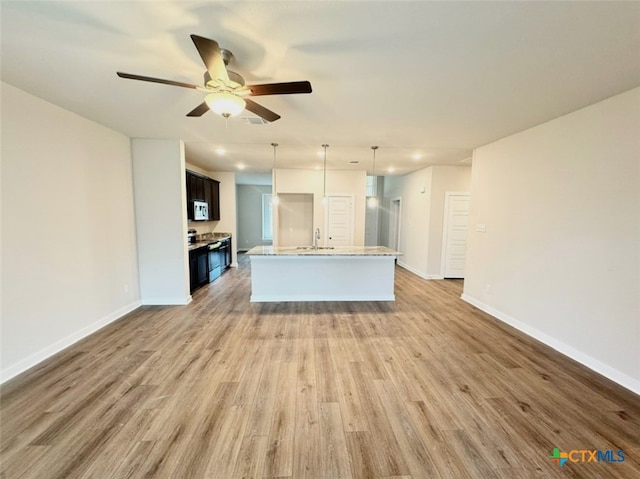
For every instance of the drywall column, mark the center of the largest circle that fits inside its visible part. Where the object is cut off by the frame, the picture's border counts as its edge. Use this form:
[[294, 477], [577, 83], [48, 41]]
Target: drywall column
[[161, 220]]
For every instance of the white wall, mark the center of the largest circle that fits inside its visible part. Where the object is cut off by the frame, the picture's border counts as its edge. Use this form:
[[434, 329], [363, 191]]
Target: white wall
[[249, 208], [422, 196], [372, 216], [560, 258], [295, 219], [68, 239], [338, 182], [444, 179], [161, 220]]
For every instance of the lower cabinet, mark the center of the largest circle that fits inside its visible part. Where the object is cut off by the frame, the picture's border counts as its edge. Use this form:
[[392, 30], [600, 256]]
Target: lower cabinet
[[206, 265], [198, 268]]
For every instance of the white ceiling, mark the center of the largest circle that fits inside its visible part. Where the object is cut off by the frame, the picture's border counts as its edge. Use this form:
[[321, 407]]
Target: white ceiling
[[430, 78]]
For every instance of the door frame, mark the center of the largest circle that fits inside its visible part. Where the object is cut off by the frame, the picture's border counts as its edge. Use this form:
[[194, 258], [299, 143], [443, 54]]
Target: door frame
[[325, 235], [445, 226]]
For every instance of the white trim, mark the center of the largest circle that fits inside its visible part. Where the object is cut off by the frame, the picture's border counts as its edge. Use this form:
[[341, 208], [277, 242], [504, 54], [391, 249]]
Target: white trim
[[445, 227], [166, 301], [266, 298], [596, 365], [64, 343], [419, 273]]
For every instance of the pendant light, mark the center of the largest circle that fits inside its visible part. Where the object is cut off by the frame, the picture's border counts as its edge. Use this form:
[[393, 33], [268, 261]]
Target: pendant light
[[324, 186], [274, 198], [372, 201]]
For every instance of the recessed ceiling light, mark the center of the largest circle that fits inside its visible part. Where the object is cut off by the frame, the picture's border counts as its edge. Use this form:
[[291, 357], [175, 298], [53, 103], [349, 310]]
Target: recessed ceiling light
[[320, 154], [241, 166], [391, 169], [220, 151], [417, 156], [318, 167]]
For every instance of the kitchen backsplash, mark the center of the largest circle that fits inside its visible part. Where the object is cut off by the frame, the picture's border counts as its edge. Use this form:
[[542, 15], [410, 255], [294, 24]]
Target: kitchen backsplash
[[204, 235]]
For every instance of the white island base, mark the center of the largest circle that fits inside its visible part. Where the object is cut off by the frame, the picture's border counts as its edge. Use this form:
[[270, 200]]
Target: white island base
[[286, 274]]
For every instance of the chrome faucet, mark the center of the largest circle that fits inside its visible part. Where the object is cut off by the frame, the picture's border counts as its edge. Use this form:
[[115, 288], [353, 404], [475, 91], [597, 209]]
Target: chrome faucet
[[316, 237]]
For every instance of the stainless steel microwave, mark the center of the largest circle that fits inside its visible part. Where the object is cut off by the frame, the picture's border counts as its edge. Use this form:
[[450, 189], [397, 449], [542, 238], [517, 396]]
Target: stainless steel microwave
[[200, 210]]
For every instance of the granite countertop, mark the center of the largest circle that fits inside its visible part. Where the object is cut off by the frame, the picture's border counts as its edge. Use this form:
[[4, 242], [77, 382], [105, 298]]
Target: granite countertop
[[207, 239], [322, 251]]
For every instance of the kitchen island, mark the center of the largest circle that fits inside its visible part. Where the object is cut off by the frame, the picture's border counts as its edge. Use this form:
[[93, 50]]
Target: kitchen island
[[305, 273]]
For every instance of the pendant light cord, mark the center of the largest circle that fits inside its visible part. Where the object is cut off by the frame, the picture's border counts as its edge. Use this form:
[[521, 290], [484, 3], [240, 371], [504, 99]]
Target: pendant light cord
[[324, 186], [374, 148], [275, 174]]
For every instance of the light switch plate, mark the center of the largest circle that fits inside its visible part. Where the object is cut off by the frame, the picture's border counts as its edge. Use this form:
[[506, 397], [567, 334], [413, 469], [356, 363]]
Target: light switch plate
[[481, 227]]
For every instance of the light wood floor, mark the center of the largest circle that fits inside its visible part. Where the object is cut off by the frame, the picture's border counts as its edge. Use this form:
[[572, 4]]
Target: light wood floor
[[425, 387]]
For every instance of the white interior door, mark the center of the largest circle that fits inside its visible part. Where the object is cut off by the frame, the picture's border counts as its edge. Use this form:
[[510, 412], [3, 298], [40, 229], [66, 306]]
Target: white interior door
[[455, 241], [340, 221]]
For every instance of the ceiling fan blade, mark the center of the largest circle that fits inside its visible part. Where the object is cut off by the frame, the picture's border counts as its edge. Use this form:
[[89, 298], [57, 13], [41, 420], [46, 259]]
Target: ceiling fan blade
[[131, 76], [261, 111], [209, 51], [200, 110], [280, 88]]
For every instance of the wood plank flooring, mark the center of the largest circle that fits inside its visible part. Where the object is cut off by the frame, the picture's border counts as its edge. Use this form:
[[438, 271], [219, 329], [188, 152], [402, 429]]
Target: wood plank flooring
[[424, 387]]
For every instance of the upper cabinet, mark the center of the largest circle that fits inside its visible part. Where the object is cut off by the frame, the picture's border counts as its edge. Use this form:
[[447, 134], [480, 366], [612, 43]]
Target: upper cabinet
[[202, 188], [214, 203]]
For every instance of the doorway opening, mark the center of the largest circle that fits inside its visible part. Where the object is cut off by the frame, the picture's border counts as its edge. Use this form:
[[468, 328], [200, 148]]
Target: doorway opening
[[395, 215]]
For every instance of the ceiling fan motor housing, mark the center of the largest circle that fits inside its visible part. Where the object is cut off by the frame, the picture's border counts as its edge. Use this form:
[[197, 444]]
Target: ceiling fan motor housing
[[235, 80]]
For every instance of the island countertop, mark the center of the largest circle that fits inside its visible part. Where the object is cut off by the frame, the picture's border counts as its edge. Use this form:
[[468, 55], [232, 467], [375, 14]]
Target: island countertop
[[322, 251]]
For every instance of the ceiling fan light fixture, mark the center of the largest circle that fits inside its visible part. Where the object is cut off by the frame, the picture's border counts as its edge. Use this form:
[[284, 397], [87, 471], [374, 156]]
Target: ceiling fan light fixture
[[225, 104]]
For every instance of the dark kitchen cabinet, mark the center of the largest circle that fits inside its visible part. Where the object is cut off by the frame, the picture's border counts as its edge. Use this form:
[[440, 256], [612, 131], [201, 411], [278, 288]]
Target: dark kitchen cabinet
[[214, 201], [198, 268], [191, 186], [193, 271], [202, 188], [207, 194]]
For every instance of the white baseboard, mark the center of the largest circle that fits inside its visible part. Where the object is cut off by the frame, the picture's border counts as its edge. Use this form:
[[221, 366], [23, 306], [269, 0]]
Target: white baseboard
[[61, 344], [605, 370], [166, 301], [266, 298], [419, 273]]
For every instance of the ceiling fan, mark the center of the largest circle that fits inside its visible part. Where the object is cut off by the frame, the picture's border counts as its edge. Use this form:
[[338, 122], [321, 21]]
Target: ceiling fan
[[226, 91]]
